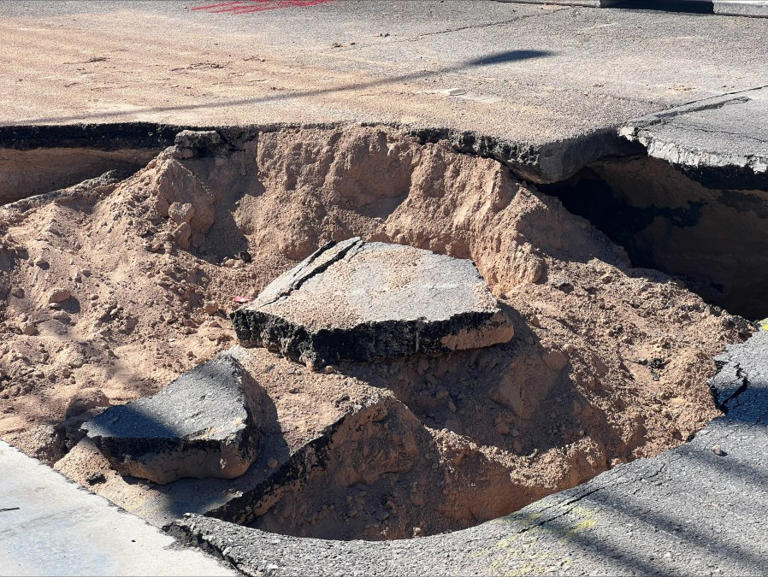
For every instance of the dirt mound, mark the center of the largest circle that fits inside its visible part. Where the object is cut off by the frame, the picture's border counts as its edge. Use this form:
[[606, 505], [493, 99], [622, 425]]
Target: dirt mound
[[610, 363]]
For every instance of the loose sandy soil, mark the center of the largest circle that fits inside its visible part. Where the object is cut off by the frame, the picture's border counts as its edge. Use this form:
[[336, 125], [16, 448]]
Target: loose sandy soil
[[114, 288]]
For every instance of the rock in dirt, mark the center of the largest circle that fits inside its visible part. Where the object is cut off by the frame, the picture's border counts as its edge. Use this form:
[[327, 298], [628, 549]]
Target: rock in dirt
[[361, 301], [181, 212], [59, 295], [28, 328], [192, 143], [96, 478], [198, 426]]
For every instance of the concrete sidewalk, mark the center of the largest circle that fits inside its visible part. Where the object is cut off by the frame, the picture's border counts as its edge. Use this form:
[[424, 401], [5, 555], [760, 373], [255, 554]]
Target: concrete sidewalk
[[50, 526]]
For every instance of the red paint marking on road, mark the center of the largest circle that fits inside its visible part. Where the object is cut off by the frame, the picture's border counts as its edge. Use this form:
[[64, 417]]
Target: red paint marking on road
[[232, 6], [211, 6], [251, 6], [281, 4]]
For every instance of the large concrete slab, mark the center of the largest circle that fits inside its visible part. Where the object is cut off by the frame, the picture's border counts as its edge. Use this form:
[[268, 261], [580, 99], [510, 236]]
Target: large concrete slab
[[373, 301], [299, 410], [728, 132], [698, 509], [49, 526]]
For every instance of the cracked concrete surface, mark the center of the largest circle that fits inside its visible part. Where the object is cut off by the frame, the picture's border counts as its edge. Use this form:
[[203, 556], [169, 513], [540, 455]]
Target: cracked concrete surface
[[698, 509], [725, 132], [373, 301]]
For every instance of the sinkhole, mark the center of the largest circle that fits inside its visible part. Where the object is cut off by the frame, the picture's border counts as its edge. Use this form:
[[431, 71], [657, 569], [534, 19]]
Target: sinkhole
[[124, 248]]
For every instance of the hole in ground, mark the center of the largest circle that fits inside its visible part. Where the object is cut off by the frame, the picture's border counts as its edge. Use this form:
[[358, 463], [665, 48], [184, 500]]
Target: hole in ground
[[610, 363], [714, 238], [41, 159]]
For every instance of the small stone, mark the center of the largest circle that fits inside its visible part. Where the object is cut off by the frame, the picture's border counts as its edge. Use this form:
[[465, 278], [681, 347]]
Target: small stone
[[181, 212], [181, 235], [344, 397], [61, 316], [18, 292], [85, 401], [245, 256], [28, 329], [210, 307], [717, 450], [190, 143], [555, 360], [42, 263], [95, 478], [59, 295], [228, 262]]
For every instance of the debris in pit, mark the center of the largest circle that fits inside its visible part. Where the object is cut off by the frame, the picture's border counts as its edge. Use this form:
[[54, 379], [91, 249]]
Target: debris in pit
[[371, 301], [198, 426], [95, 479]]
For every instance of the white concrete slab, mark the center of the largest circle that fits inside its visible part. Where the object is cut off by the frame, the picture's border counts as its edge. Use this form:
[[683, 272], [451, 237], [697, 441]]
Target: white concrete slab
[[50, 526], [742, 7]]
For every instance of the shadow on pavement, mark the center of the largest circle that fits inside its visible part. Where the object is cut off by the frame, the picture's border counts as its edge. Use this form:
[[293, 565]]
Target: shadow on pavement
[[489, 60]]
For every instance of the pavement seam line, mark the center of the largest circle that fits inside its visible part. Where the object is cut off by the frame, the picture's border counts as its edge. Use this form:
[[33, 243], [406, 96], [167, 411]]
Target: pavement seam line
[[481, 26]]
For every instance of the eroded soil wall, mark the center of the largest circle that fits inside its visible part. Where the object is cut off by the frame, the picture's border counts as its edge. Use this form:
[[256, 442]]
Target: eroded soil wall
[[712, 237]]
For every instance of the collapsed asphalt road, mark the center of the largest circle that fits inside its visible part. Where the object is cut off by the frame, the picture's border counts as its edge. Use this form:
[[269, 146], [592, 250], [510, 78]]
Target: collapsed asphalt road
[[698, 509]]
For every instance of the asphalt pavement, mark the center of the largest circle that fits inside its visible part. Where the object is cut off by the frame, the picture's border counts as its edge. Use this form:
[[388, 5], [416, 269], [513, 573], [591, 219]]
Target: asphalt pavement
[[552, 83], [699, 509]]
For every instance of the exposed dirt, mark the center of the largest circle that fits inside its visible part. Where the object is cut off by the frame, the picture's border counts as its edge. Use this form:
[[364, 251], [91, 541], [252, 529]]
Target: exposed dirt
[[114, 288], [716, 239]]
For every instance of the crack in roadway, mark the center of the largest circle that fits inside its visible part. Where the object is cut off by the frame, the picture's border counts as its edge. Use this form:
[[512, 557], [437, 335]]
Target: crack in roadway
[[481, 26], [740, 374], [588, 493]]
